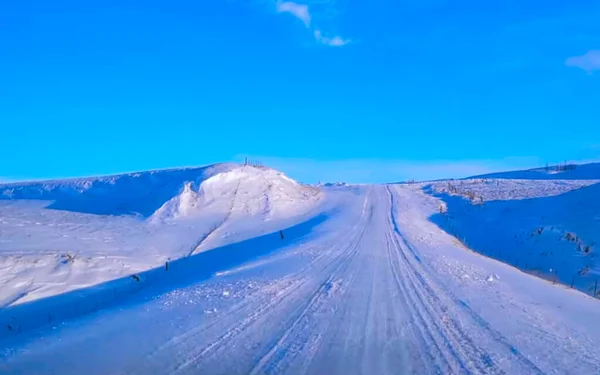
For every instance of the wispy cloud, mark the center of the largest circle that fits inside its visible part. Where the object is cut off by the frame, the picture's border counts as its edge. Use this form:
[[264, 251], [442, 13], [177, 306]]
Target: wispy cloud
[[303, 13], [336, 41], [588, 62], [299, 11]]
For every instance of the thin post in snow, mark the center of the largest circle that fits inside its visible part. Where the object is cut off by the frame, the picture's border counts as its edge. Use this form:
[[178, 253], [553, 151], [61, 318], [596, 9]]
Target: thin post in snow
[[595, 287]]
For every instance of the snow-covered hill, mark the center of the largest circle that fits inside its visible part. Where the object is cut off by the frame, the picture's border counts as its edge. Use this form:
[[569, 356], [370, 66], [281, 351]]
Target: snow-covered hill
[[61, 235], [252, 191], [588, 171], [368, 286], [140, 193], [548, 227]]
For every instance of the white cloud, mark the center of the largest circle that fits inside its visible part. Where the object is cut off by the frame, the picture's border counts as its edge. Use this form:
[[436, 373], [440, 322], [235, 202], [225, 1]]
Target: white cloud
[[299, 11], [302, 12], [335, 41], [588, 62]]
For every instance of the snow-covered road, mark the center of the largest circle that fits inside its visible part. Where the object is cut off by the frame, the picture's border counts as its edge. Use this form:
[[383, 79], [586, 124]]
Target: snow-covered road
[[376, 289]]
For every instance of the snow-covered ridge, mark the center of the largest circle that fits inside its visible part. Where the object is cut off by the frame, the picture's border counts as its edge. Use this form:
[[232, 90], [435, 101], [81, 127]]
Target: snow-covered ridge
[[485, 189], [139, 193], [56, 236], [168, 194], [590, 171], [244, 191], [546, 227]]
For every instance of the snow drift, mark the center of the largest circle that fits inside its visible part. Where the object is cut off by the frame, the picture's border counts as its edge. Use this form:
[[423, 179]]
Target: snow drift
[[139, 193], [56, 236], [246, 191]]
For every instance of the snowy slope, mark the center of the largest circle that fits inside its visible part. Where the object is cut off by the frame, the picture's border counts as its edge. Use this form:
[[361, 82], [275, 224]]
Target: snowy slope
[[550, 228], [140, 193], [57, 236], [369, 286], [243, 191], [588, 171]]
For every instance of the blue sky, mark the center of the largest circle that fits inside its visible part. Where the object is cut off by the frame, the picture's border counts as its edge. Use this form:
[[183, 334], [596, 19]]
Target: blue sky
[[362, 91]]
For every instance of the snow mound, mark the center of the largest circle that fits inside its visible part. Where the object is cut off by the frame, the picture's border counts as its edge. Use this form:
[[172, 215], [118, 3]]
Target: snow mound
[[242, 191], [111, 227], [172, 193], [140, 193]]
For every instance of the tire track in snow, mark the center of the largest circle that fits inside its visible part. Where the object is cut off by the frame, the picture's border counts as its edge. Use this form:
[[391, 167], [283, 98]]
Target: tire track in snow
[[320, 266], [319, 297], [367, 334], [461, 349], [296, 337], [427, 341], [440, 302]]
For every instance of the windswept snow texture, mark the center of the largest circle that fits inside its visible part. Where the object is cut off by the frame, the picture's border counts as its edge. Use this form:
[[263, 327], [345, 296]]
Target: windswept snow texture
[[247, 191], [58, 236], [135, 193], [368, 286], [589, 171], [549, 228]]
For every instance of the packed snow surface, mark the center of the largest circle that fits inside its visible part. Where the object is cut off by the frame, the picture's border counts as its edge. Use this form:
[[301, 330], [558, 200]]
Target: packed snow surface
[[364, 283]]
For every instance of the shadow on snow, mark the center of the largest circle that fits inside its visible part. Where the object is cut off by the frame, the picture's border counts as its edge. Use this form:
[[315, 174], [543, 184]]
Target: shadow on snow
[[555, 237], [135, 288]]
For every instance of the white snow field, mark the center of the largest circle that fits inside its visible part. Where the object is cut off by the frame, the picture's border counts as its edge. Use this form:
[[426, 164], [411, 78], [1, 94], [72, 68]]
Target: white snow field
[[340, 280], [562, 171], [550, 228], [56, 236]]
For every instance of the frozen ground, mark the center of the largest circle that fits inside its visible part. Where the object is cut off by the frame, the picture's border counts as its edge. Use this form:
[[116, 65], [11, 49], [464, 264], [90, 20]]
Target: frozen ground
[[365, 283], [291, 279]]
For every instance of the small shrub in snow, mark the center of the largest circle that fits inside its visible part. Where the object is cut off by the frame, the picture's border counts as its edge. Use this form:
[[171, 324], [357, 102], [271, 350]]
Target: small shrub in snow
[[583, 271], [68, 258]]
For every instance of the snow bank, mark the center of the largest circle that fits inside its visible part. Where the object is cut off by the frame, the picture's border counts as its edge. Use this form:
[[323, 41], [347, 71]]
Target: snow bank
[[140, 193], [550, 228], [111, 227], [244, 191], [15, 319]]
